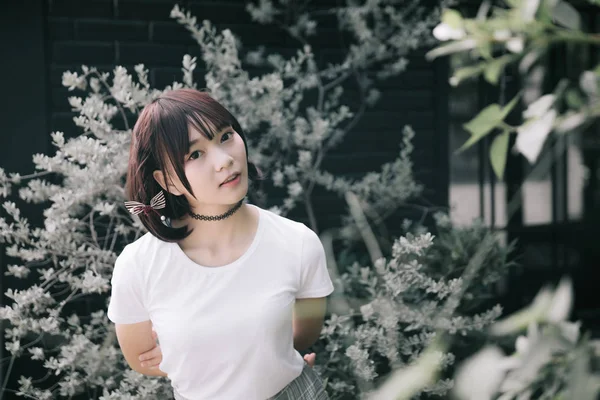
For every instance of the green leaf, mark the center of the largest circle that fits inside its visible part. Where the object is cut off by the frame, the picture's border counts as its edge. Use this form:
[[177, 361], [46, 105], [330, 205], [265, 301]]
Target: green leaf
[[566, 15], [494, 68], [485, 50], [573, 99], [485, 121], [465, 73], [452, 18], [498, 151], [453, 47]]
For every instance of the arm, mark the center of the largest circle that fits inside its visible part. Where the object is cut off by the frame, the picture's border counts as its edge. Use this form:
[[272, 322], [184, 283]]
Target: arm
[[307, 321], [135, 339]]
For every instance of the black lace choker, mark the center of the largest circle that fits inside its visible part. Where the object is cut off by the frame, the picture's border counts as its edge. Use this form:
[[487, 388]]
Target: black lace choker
[[217, 217]]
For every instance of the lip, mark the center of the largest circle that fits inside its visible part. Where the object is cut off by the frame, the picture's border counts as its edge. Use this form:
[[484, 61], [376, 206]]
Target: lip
[[231, 179]]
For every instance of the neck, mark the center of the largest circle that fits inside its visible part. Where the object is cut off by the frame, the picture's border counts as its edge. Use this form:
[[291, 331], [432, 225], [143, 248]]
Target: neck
[[217, 234]]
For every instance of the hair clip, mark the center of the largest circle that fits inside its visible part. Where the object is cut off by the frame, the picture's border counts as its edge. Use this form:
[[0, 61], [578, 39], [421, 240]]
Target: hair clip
[[157, 202]]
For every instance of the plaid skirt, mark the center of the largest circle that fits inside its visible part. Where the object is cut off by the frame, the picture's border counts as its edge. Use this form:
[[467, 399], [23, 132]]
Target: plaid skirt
[[308, 386]]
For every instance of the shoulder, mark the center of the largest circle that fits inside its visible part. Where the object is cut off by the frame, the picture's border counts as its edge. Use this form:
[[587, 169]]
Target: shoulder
[[144, 248], [285, 227], [291, 233]]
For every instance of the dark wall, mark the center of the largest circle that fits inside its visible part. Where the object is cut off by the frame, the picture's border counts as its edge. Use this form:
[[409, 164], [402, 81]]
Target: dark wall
[[23, 109], [43, 38], [105, 33]]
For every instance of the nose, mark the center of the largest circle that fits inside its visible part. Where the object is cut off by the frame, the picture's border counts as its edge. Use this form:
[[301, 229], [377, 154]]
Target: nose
[[222, 160]]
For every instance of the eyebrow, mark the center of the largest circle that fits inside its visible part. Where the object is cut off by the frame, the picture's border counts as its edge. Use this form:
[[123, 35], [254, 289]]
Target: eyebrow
[[220, 131]]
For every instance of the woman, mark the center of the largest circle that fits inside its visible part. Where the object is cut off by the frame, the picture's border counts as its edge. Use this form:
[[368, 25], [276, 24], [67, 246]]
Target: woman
[[233, 291]]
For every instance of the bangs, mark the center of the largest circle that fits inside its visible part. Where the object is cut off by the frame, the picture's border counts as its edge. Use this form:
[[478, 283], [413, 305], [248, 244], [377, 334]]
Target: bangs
[[173, 120], [208, 127]]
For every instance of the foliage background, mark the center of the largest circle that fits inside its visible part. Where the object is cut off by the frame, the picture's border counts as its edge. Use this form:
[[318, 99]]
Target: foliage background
[[74, 37]]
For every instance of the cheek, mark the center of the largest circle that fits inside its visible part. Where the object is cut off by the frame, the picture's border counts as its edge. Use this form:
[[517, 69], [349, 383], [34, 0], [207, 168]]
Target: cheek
[[195, 174], [239, 146]]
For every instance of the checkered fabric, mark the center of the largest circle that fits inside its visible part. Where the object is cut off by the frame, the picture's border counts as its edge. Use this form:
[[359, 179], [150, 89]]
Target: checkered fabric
[[308, 386]]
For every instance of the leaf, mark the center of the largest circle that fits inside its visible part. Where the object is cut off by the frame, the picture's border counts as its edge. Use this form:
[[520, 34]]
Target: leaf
[[452, 18], [465, 73], [485, 121], [570, 121], [562, 302], [498, 151], [574, 99], [532, 135], [528, 60], [521, 319], [494, 68], [450, 48], [588, 82], [566, 15], [406, 382], [539, 107], [484, 368]]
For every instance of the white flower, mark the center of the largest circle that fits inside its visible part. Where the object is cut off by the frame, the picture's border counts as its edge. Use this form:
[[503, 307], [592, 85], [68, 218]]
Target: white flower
[[295, 189], [502, 34], [18, 271], [444, 32], [529, 9], [278, 178], [562, 301], [37, 353], [516, 44], [479, 377], [571, 121], [588, 82], [539, 107], [532, 135]]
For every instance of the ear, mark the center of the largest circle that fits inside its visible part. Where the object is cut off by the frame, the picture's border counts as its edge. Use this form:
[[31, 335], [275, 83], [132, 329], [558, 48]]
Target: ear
[[169, 186]]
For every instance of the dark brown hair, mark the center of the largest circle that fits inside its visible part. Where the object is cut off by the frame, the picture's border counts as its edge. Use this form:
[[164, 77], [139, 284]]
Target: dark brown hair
[[161, 138]]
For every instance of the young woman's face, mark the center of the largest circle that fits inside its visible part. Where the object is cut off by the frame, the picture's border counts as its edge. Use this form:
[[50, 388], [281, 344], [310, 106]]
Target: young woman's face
[[216, 169]]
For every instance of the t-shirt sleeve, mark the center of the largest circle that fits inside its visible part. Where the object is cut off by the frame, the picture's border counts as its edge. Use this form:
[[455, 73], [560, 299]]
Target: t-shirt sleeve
[[314, 277], [127, 298]]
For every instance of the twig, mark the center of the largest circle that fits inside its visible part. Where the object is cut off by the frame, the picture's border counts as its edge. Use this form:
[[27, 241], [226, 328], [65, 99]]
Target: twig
[[10, 366], [121, 109]]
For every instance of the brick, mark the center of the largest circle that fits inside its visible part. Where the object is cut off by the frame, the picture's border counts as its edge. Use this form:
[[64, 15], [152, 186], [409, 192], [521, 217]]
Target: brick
[[60, 29], [80, 9], [361, 162], [151, 54], [170, 32], [257, 35], [161, 77], [60, 101], [83, 53], [412, 79], [393, 100], [378, 121], [222, 12], [63, 121], [145, 10], [105, 30]]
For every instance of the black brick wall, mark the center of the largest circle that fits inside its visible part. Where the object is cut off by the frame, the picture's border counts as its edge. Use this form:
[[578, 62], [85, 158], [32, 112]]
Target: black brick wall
[[105, 33]]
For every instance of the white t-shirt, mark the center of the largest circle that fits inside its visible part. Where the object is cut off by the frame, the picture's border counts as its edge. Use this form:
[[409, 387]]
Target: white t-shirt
[[225, 332]]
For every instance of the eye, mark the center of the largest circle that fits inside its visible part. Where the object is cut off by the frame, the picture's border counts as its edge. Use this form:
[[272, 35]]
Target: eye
[[195, 154], [226, 136]]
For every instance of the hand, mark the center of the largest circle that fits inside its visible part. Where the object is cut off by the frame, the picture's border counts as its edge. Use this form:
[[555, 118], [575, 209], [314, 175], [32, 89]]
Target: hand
[[153, 357], [310, 359]]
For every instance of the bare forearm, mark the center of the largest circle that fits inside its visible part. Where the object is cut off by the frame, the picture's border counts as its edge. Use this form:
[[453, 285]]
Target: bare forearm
[[150, 372]]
